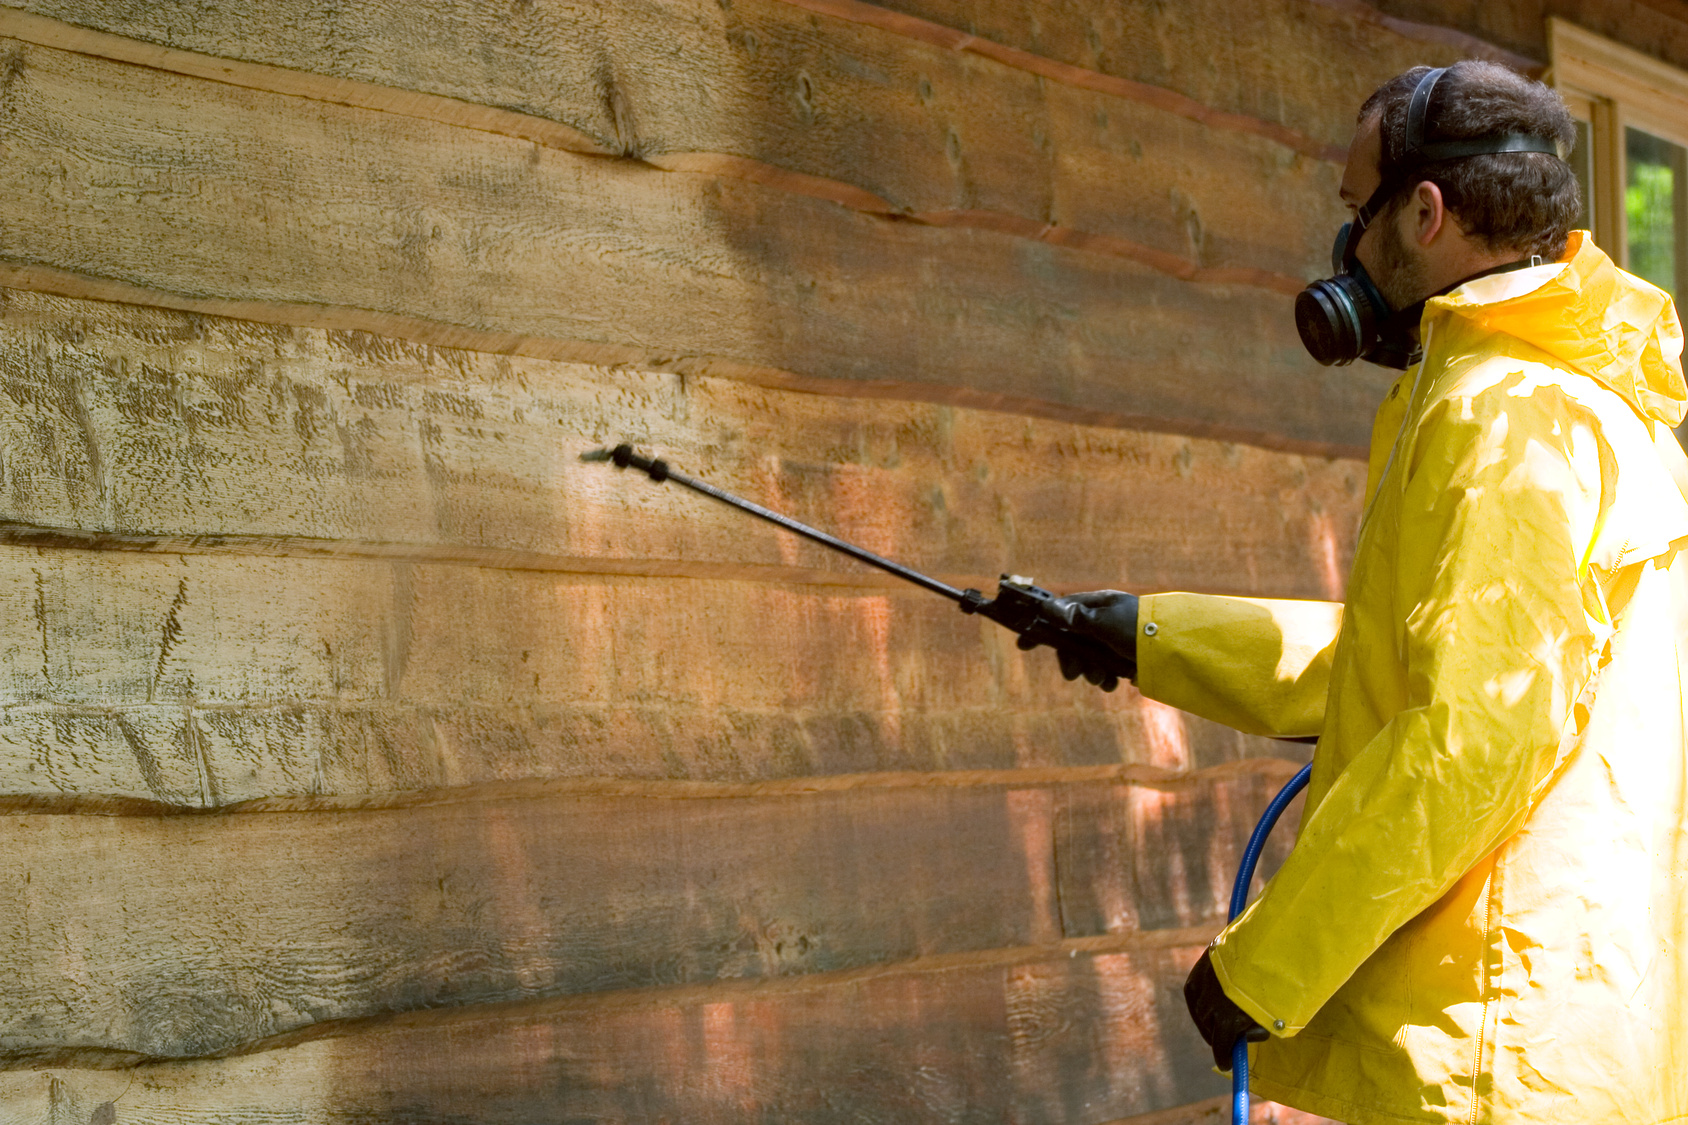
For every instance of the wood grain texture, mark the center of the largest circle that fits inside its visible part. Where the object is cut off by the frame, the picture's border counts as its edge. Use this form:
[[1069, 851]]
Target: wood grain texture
[[1304, 64], [30, 27], [963, 1043], [206, 681], [897, 953], [301, 205], [1150, 857], [179, 936], [1442, 33], [874, 15], [175, 1092], [226, 435], [320, 642], [869, 117], [1657, 27]]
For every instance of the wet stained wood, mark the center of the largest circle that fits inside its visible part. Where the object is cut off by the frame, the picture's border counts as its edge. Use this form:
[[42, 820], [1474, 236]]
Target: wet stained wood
[[199, 190], [1075, 1037], [230, 433], [180, 936], [1272, 60], [1217, 1111], [1159, 856], [177, 936], [369, 579], [212, 679], [919, 128], [197, 756]]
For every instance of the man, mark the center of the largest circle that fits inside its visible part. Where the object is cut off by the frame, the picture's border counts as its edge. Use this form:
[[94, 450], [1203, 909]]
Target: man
[[1485, 915]]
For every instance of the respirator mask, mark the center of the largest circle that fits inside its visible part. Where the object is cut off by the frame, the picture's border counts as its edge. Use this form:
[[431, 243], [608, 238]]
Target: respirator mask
[[1346, 317]]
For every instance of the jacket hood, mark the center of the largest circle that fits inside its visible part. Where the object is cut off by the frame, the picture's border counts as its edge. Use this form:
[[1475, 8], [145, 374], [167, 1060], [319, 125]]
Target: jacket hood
[[1592, 316]]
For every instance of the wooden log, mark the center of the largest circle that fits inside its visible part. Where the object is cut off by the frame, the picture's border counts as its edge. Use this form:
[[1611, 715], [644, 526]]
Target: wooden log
[[972, 1040], [228, 437], [291, 210], [1272, 60], [208, 757], [214, 434], [177, 936], [876, 119], [1521, 26], [147, 753], [209, 680]]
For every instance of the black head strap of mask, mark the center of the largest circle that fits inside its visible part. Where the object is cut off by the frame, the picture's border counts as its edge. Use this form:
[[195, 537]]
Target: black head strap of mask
[[1418, 155]]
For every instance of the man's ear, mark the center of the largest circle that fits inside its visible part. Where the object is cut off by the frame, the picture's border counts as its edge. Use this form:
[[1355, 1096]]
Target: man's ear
[[1427, 213]]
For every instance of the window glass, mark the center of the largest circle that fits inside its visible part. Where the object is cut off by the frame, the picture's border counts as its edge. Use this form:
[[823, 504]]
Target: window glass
[[1582, 163], [1653, 206], [1656, 210]]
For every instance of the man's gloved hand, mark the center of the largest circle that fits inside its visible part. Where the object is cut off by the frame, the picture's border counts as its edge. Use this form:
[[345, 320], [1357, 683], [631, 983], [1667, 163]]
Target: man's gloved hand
[[1108, 616], [1217, 1017]]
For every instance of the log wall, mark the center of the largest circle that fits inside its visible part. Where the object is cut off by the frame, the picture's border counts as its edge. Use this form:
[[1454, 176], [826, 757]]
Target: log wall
[[1655, 27], [365, 755]]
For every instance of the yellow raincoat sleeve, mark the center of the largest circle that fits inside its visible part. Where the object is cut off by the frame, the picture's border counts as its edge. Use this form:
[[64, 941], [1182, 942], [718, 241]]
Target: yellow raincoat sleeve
[[1495, 618], [1259, 665]]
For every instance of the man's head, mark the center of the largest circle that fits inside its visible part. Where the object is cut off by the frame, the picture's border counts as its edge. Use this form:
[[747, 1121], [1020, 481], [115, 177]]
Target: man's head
[[1452, 219]]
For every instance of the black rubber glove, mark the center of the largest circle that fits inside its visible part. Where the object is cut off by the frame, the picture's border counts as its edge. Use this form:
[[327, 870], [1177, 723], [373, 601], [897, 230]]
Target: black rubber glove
[[1108, 616], [1217, 1017]]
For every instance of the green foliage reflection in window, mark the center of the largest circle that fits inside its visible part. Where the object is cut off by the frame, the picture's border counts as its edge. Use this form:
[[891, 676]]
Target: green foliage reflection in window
[[1653, 206]]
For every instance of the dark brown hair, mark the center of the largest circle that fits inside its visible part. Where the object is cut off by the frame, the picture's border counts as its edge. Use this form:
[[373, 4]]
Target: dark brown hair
[[1525, 202]]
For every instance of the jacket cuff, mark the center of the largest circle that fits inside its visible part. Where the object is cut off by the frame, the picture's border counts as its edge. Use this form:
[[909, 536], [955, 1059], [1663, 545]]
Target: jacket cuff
[[1275, 1024]]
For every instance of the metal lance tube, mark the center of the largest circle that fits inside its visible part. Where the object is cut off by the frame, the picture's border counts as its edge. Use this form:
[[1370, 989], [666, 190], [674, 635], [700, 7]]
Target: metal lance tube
[[1029, 610], [623, 457]]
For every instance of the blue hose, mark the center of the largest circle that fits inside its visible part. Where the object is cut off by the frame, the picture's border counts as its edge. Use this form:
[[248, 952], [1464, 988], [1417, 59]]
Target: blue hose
[[1239, 899]]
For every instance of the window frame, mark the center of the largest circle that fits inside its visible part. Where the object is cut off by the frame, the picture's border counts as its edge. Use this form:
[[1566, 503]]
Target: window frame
[[1612, 87]]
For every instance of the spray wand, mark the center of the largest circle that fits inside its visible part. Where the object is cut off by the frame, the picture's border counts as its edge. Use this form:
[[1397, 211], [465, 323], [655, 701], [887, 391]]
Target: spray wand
[[1020, 604]]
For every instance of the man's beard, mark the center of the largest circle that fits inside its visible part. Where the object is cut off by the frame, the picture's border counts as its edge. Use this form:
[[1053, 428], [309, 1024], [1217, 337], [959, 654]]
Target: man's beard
[[1400, 273]]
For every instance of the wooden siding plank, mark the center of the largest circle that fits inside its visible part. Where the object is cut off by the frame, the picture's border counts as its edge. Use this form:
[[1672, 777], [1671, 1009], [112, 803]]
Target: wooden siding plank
[[228, 435], [961, 1044], [289, 208], [178, 936], [905, 125], [1157, 856], [205, 681], [196, 756], [1657, 29], [1305, 64]]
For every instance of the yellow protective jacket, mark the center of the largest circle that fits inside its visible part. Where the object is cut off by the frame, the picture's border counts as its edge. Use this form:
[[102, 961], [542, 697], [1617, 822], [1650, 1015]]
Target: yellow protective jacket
[[1485, 915]]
